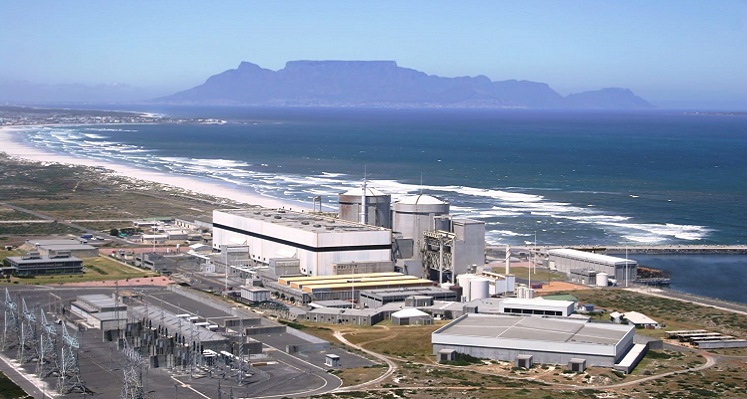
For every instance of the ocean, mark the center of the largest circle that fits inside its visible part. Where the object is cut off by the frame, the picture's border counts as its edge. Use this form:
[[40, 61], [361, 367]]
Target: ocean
[[603, 178]]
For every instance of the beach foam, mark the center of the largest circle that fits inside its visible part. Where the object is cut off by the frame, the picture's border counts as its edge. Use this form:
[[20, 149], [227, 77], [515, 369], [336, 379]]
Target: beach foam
[[15, 147], [256, 182]]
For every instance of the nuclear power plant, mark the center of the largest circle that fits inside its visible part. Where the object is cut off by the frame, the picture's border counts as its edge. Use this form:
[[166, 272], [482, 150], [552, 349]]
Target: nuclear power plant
[[415, 236]]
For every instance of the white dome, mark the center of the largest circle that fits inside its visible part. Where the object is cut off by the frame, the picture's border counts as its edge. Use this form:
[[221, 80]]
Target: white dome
[[370, 192], [421, 199]]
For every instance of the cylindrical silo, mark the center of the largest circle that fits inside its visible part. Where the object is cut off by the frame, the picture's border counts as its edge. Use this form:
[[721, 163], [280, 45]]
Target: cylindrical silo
[[602, 279], [479, 288], [377, 207], [414, 215], [463, 281]]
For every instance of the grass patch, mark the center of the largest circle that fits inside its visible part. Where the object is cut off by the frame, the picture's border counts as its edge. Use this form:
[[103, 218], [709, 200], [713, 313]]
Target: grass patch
[[94, 269], [9, 390]]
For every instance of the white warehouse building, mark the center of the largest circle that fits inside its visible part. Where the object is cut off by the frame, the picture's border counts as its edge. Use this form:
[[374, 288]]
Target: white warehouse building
[[547, 340], [323, 245], [565, 260]]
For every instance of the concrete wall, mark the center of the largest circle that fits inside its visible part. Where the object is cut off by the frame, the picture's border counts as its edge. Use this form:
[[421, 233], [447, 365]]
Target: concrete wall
[[509, 355], [469, 244]]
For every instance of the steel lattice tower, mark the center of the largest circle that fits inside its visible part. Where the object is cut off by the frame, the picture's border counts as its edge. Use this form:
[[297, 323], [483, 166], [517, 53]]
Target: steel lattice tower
[[48, 358], [132, 383], [70, 379], [11, 328], [29, 342]]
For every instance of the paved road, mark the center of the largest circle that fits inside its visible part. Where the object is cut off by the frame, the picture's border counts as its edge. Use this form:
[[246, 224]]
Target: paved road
[[392, 365]]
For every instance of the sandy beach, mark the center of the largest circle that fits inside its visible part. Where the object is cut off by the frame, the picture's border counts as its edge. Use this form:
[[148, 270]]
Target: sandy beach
[[13, 146]]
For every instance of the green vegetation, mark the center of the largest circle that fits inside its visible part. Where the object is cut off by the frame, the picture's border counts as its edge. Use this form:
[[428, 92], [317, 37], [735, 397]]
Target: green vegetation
[[94, 269], [65, 192], [463, 359], [677, 315], [9, 390]]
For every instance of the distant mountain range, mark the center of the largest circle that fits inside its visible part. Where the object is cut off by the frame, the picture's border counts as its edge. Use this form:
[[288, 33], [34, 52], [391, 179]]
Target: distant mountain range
[[385, 84]]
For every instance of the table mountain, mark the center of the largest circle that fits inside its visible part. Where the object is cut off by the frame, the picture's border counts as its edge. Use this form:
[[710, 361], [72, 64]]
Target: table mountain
[[384, 84]]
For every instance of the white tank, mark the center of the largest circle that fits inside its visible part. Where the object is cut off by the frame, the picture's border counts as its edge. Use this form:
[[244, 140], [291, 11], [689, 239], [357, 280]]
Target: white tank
[[447, 286], [602, 279], [377, 206], [479, 288], [463, 281], [413, 215]]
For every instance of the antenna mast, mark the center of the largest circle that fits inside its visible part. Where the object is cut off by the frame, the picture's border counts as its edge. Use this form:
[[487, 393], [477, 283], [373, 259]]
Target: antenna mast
[[363, 198]]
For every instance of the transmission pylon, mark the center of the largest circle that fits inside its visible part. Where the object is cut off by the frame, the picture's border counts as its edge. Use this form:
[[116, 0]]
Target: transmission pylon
[[132, 384], [70, 379], [11, 327], [48, 358], [29, 343], [242, 336]]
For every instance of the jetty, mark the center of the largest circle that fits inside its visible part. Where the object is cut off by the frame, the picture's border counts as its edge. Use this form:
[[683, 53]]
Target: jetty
[[664, 249]]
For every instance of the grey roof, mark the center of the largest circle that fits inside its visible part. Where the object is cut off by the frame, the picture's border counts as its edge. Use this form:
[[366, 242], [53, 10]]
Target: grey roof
[[42, 260], [406, 292], [535, 329], [300, 220], [98, 300], [68, 247], [54, 242], [588, 256]]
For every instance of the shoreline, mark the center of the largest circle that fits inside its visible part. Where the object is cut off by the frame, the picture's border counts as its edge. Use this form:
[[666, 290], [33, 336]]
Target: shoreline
[[14, 147]]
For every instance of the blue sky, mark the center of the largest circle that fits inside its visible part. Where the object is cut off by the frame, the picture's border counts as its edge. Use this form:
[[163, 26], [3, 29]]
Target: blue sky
[[671, 52]]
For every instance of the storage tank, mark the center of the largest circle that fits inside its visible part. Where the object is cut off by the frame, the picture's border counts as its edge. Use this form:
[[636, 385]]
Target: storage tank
[[463, 281], [479, 288], [377, 207], [602, 279], [415, 214]]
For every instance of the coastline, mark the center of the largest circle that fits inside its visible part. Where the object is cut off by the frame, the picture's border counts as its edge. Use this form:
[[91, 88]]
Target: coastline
[[14, 147]]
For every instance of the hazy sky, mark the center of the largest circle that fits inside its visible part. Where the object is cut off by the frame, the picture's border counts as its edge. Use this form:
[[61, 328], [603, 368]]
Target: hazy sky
[[671, 52]]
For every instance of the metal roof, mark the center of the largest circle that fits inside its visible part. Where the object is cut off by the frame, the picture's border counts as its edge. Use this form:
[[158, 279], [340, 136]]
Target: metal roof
[[588, 256], [370, 192], [639, 318], [534, 303], [300, 220], [421, 199], [409, 312], [535, 329], [348, 286], [301, 284], [342, 277]]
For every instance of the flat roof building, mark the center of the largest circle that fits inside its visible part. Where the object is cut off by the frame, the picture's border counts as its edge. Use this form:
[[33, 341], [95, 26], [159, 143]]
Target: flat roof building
[[374, 298], [319, 243], [34, 264], [535, 306], [548, 340], [566, 260]]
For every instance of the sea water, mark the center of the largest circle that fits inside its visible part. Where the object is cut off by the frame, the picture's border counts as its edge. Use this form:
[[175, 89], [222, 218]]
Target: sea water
[[570, 178], [566, 178]]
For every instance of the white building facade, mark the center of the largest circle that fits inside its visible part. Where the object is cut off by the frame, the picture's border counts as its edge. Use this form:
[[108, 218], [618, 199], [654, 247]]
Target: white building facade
[[318, 242], [565, 260]]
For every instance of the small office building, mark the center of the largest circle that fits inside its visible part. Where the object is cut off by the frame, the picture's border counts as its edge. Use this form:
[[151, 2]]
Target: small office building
[[33, 264]]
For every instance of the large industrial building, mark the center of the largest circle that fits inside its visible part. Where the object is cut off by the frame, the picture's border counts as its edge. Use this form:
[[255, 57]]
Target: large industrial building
[[572, 261], [415, 235], [547, 340], [432, 244], [305, 289], [323, 245]]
